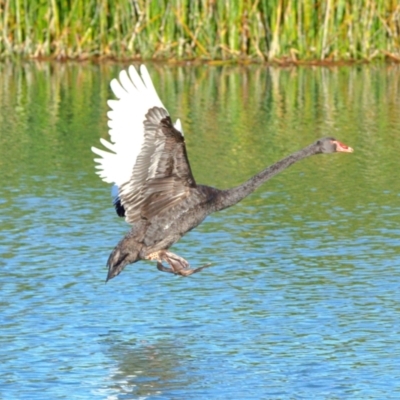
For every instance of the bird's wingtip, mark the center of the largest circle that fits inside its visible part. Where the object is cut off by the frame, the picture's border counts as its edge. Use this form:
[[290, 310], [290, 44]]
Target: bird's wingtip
[[143, 69]]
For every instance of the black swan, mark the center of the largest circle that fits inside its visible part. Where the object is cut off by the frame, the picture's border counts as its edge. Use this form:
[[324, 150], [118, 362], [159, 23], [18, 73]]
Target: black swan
[[154, 188]]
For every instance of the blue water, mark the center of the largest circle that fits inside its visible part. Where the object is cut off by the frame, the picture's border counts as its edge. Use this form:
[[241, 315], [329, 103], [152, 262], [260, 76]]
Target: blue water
[[302, 300]]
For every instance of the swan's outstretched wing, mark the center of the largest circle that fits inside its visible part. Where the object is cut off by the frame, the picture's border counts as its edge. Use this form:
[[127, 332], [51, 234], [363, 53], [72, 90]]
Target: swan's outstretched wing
[[137, 151], [162, 176]]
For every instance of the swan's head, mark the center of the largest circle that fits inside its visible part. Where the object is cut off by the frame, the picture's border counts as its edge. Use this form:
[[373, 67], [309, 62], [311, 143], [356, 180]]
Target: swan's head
[[331, 145]]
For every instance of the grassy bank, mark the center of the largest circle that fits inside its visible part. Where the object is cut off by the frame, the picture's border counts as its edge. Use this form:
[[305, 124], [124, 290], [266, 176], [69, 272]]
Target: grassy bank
[[248, 30]]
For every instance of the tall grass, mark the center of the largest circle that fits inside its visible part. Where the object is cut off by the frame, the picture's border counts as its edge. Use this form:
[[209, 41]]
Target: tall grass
[[244, 30]]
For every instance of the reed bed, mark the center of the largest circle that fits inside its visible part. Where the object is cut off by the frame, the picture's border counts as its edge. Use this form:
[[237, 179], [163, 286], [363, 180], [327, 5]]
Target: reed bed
[[225, 30]]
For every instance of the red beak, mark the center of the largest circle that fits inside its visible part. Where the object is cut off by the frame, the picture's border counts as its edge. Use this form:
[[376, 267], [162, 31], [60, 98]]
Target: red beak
[[342, 147]]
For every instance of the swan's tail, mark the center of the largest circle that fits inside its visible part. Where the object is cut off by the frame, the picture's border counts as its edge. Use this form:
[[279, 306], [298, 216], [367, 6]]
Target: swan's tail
[[126, 252]]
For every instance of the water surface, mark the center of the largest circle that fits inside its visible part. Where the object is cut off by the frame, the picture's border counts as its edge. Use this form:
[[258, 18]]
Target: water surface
[[302, 300]]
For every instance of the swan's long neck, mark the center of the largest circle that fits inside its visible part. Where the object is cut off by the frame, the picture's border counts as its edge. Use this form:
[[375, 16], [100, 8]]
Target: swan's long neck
[[232, 196]]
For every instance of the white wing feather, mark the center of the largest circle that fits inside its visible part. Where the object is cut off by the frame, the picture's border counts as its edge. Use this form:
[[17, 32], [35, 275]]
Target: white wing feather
[[136, 95], [178, 126]]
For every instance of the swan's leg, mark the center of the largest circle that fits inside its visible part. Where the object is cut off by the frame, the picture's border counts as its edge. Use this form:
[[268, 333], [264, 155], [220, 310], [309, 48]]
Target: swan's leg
[[161, 267], [179, 266]]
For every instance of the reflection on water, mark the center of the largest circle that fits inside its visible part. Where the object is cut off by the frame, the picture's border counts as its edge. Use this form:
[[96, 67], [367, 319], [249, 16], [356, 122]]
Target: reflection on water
[[302, 299], [144, 369]]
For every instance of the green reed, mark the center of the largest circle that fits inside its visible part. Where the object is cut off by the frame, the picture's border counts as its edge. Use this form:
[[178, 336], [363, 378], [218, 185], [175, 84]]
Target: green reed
[[246, 30]]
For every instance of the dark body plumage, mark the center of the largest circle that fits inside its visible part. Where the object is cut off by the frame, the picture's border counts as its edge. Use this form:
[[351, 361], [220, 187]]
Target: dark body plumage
[[161, 232], [159, 196]]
